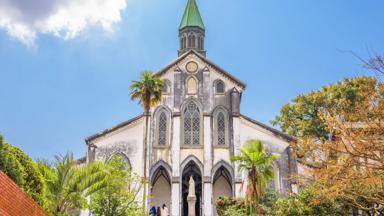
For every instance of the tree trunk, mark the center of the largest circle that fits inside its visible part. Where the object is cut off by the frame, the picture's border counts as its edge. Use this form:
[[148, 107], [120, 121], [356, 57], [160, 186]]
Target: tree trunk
[[146, 113]]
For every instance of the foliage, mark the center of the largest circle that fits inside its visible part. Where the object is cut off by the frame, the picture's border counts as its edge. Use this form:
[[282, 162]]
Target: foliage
[[353, 162], [118, 197], [348, 162], [256, 161], [268, 201], [308, 202], [68, 183], [230, 206], [147, 91], [303, 116], [23, 171]]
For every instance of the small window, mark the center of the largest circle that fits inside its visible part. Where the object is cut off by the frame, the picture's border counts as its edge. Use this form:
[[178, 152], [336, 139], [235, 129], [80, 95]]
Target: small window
[[220, 129], [190, 39], [220, 119], [162, 139], [193, 41], [184, 42], [220, 88], [192, 86]]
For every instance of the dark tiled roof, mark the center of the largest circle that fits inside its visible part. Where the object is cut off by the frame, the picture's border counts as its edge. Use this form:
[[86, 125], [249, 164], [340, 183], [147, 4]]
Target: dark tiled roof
[[225, 73], [87, 140], [276, 132]]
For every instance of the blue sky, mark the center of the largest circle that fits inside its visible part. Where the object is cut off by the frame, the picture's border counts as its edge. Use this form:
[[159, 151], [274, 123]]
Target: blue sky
[[59, 91]]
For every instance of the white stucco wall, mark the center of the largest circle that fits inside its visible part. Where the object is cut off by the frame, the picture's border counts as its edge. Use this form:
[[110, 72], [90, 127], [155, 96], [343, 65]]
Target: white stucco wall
[[127, 140], [251, 131]]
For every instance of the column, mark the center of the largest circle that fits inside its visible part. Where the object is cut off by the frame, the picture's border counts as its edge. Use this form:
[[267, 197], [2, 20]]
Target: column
[[175, 151], [208, 160]]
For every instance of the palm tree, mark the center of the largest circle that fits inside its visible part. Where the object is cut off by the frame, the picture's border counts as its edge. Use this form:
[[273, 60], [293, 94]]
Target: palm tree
[[256, 161], [147, 91], [68, 183]]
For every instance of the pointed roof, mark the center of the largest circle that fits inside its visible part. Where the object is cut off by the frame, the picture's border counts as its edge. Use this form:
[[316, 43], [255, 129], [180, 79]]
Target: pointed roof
[[192, 17]]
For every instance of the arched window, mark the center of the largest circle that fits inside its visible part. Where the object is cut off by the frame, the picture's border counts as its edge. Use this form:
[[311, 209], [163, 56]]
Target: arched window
[[193, 41], [220, 88], [162, 125], [220, 119], [190, 40], [199, 43], [220, 129], [162, 129], [192, 85], [191, 124], [184, 42]]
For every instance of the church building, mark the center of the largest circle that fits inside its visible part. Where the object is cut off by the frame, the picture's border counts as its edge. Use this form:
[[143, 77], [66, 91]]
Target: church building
[[194, 131]]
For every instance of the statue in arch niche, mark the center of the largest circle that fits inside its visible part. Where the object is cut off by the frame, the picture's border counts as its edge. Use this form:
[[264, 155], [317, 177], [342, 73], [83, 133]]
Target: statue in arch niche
[[191, 197]]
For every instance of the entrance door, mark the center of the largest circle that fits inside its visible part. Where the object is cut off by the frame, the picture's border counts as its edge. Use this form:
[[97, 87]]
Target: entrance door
[[191, 169]]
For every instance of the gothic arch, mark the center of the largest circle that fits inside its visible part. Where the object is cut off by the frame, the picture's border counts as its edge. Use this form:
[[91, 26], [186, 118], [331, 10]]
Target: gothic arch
[[158, 165], [224, 164], [217, 87], [195, 160], [222, 181], [191, 167], [123, 155], [160, 184], [191, 112], [221, 127], [192, 85], [162, 135]]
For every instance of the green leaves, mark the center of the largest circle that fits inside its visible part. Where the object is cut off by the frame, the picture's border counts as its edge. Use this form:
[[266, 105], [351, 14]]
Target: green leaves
[[22, 170], [69, 183], [118, 196], [147, 90], [257, 162]]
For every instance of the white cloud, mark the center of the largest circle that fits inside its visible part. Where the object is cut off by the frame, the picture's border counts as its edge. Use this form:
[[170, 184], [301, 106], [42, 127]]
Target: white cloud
[[26, 19]]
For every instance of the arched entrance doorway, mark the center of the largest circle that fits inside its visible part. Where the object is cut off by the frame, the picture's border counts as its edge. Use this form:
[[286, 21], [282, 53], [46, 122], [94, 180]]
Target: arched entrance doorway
[[160, 187], [222, 184], [191, 169]]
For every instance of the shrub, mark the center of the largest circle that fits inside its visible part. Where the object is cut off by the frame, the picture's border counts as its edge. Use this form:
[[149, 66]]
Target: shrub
[[307, 202], [23, 171]]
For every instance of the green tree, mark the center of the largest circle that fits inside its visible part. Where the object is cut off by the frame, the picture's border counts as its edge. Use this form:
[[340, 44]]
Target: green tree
[[23, 171], [68, 184], [256, 161], [118, 198], [147, 91], [304, 116]]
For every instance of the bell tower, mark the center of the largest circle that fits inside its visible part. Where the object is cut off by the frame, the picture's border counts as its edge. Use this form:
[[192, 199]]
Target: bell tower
[[192, 30]]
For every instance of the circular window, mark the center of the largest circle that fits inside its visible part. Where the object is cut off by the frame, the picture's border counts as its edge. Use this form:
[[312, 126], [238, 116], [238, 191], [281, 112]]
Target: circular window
[[192, 67]]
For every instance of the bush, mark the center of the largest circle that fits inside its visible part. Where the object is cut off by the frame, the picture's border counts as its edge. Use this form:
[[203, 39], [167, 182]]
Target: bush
[[23, 171], [307, 202]]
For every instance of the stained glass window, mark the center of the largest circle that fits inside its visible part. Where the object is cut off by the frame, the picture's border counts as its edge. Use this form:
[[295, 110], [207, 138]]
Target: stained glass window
[[162, 137], [220, 129], [191, 125]]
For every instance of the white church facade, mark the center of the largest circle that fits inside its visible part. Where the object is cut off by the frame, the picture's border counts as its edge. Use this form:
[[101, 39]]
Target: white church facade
[[194, 131]]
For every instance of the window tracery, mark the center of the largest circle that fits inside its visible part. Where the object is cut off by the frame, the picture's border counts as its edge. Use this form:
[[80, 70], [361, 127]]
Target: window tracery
[[191, 124]]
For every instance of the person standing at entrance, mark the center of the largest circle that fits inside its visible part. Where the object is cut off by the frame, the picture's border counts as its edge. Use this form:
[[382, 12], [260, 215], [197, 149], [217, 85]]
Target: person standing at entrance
[[158, 211], [164, 211]]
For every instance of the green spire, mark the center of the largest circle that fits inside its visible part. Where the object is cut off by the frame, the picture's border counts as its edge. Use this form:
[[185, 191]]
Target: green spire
[[192, 17]]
